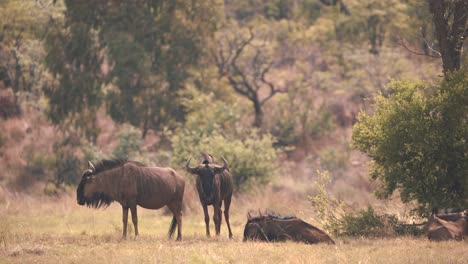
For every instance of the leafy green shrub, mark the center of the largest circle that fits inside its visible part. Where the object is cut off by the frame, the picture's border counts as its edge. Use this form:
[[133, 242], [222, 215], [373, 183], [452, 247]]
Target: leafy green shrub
[[417, 139], [285, 131], [364, 223], [251, 159], [329, 209], [332, 215], [368, 223], [129, 143], [91, 152], [68, 169]]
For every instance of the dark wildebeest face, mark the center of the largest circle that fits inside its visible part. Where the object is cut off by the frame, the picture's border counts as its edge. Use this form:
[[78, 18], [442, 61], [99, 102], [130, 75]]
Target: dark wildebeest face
[[253, 230], [206, 171], [87, 187]]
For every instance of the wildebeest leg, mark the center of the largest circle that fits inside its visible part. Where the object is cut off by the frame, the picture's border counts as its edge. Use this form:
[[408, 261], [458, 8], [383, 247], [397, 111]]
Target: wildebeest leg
[[133, 209], [125, 220], [227, 204], [207, 219], [217, 218], [176, 209]]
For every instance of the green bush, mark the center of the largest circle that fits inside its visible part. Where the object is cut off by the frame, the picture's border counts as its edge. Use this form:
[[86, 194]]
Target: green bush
[[251, 159], [368, 223], [334, 217], [363, 223], [91, 152], [329, 209], [129, 143], [416, 137]]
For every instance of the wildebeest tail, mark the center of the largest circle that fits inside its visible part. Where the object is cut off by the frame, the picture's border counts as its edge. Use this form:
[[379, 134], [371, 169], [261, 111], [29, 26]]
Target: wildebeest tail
[[172, 227]]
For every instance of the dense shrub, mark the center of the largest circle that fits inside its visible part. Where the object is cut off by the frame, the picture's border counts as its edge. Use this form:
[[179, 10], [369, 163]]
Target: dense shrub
[[416, 138], [251, 159], [340, 220], [129, 143]]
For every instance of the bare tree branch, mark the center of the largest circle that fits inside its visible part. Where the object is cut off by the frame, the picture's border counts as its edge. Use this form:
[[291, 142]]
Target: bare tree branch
[[246, 71], [401, 43], [431, 48]]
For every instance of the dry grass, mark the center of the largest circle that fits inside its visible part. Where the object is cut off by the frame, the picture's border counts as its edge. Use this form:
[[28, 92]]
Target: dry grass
[[46, 230]]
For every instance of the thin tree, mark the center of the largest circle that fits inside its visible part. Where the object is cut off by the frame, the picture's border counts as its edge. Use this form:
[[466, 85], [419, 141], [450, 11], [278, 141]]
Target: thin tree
[[246, 64]]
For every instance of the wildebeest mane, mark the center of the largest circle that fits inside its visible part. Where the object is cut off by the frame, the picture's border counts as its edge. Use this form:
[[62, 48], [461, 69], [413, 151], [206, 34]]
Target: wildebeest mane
[[99, 200], [104, 165], [273, 215], [281, 217]]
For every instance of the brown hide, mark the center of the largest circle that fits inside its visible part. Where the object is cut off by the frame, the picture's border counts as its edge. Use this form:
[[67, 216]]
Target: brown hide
[[447, 227], [276, 228], [131, 184], [214, 186]]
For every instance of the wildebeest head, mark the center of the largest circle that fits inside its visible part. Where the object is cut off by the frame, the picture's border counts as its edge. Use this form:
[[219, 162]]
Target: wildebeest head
[[206, 172], [206, 169], [87, 192], [254, 229]]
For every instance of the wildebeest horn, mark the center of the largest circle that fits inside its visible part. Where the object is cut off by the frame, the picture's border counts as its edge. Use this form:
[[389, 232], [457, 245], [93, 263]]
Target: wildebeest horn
[[91, 166], [219, 169], [249, 216], [190, 169]]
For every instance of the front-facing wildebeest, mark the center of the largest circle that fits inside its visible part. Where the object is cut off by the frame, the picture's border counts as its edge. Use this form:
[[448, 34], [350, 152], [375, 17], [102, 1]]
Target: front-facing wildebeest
[[275, 228], [131, 183], [214, 185], [447, 226]]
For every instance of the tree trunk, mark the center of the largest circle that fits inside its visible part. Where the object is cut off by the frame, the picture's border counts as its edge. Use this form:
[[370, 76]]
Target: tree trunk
[[258, 114], [450, 35]]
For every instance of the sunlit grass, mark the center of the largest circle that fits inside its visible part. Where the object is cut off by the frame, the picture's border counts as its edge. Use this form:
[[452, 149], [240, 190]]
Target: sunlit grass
[[44, 230]]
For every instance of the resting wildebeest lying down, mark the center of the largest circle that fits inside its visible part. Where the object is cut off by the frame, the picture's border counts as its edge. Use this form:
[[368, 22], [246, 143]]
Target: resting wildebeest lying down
[[130, 183], [273, 228], [447, 226], [214, 185]]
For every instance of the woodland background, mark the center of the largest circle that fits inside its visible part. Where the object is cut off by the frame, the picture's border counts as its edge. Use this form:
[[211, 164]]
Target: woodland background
[[351, 114]]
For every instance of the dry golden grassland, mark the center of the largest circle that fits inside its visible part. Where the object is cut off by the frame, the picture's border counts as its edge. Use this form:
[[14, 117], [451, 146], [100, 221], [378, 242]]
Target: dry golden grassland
[[46, 230]]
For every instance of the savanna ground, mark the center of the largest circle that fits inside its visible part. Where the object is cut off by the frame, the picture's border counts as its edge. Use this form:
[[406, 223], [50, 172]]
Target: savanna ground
[[56, 230]]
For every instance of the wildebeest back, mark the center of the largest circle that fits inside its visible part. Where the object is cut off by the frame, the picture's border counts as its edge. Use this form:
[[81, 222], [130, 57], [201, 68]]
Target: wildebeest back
[[272, 228]]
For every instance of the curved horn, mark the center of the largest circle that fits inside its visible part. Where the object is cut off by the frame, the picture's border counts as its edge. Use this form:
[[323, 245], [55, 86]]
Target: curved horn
[[190, 169], [219, 169], [91, 166], [249, 216]]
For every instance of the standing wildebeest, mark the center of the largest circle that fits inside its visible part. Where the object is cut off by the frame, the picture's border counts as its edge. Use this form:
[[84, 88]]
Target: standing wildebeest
[[214, 185], [130, 183], [273, 228], [447, 226]]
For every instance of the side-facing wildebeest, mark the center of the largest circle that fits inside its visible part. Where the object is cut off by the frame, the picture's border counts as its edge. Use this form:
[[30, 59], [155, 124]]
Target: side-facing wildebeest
[[214, 185], [447, 226], [131, 183], [275, 228]]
